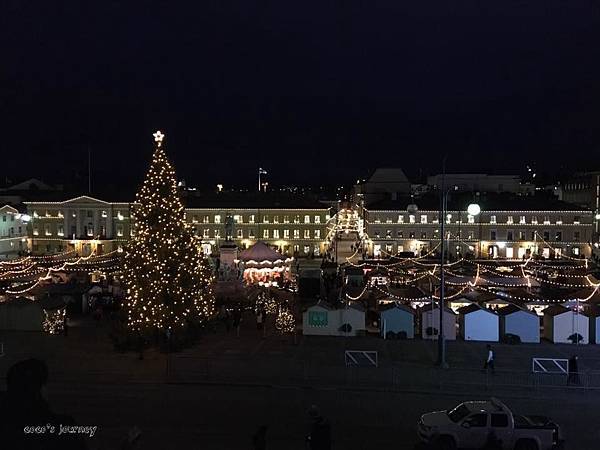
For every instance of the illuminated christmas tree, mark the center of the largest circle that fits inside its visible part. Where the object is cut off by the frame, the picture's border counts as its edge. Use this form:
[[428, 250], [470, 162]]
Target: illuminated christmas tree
[[168, 280], [285, 322]]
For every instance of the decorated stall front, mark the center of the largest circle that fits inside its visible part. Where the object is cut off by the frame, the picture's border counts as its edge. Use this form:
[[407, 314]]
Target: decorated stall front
[[264, 266], [323, 320]]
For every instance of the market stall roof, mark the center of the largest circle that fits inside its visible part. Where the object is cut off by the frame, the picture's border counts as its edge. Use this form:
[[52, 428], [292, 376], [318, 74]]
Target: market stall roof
[[261, 253]]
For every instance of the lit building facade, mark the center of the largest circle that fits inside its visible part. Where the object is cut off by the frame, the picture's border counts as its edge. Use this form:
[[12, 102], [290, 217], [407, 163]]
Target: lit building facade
[[82, 224], [85, 224], [13, 232], [494, 233]]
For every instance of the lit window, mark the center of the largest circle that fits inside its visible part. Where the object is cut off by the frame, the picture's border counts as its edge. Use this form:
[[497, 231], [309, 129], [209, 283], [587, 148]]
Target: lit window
[[296, 234], [286, 234], [275, 219], [251, 218], [448, 218], [265, 234], [238, 219], [47, 231], [400, 234], [423, 235], [307, 219], [559, 221], [297, 219], [509, 219], [423, 218], [119, 215], [60, 214], [317, 250], [411, 235], [400, 218], [411, 219], [388, 220], [286, 219], [104, 214], [35, 231], [240, 234], [206, 219], [35, 214], [251, 233], [317, 219], [492, 219], [546, 220], [119, 230], [217, 218], [388, 233], [522, 219], [576, 220], [307, 249], [90, 230], [194, 219], [470, 218], [327, 217], [534, 220], [306, 234], [388, 248], [60, 230], [265, 219], [276, 234], [217, 233], [317, 234]]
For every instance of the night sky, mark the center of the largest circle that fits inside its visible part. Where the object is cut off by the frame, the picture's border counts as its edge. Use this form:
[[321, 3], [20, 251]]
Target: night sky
[[311, 91]]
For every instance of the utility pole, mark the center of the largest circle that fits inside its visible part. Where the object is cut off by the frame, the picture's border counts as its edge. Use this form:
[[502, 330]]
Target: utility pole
[[443, 205]]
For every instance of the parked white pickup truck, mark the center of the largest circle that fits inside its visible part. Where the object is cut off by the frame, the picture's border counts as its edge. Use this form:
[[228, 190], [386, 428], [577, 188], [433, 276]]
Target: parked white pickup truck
[[488, 424]]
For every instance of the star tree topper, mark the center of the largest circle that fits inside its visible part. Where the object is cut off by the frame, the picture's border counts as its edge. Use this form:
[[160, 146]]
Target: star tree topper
[[158, 137]]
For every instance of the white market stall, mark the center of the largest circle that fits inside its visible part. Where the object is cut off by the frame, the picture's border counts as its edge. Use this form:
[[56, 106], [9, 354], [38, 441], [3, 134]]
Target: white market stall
[[322, 319], [429, 316], [562, 325], [519, 322], [478, 324]]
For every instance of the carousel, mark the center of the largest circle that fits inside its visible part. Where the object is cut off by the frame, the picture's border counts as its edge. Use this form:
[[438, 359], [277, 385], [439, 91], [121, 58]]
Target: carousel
[[262, 265]]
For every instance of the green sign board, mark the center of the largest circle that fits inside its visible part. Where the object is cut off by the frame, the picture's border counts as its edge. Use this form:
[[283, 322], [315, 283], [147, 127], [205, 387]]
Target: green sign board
[[317, 318]]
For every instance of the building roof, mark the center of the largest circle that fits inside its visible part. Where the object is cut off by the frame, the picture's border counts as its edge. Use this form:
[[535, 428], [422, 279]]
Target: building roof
[[388, 175], [511, 309], [252, 200], [555, 310], [472, 308], [433, 306], [396, 307], [488, 201]]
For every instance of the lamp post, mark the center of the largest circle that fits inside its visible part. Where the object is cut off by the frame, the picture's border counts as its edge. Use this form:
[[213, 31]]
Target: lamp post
[[473, 209]]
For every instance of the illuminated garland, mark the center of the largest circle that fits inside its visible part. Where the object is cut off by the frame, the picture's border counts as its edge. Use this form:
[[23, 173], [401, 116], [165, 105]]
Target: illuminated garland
[[285, 322], [54, 321]]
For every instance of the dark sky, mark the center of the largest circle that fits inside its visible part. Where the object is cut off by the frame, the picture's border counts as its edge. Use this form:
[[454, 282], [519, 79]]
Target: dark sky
[[307, 90]]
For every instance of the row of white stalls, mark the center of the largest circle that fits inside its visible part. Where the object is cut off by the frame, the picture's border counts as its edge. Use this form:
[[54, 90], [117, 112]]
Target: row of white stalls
[[475, 323]]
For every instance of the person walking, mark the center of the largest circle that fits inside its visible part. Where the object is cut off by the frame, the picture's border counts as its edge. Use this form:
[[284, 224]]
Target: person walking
[[573, 377], [237, 319], [320, 431], [260, 318], [489, 361]]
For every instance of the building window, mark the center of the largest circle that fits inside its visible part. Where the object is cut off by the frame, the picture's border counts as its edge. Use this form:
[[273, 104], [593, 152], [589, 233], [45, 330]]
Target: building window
[[576, 251], [251, 218], [388, 233], [493, 235], [90, 213], [206, 219], [532, 236], [217, 218], [546, 220], [317, 250], [435, 219], [3, 218], [206, 233], [286, 219], [576, 220], [265, 234], [238, 219], [388, 248], [104, 214], [576, 235], [534, 220], [306, 219], [448, 218], [377, 220], [423, 218], [240, 234], [47, 231], [411, 218], [275, 219], [119, 215], [119, 230], [317, 219], [377, 235], [400, 234], [546, 235], [217, 233], [509, 220], [296, 248], [297, 219], [559, 221], [296, 234], [509, 235], [90, 230], [307, 249], [286, 234], [411, 235], [251, 233], [317, 234], [558, 236], [275, 234], [400, 218], [265, 219], [522, 219], [306, 234], [424, 235], [388, 220], [521, 235], [470, 218], [492, 219]]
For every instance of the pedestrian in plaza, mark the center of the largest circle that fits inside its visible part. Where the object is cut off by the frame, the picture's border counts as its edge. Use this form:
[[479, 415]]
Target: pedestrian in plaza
[[489, 361], [260, 317], [573, 377], [259, 440], [320, 431], [237, 319]]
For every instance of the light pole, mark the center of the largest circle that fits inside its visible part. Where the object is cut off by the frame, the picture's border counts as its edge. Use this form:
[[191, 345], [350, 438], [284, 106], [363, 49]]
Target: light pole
[[473, 209]]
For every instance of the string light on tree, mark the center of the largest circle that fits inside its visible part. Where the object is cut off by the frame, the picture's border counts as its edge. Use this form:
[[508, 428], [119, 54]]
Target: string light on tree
[[285, 322], [168, 280]]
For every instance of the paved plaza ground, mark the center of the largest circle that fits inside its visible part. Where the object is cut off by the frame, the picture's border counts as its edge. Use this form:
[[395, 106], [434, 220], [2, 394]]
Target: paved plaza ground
[[216, 394]]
